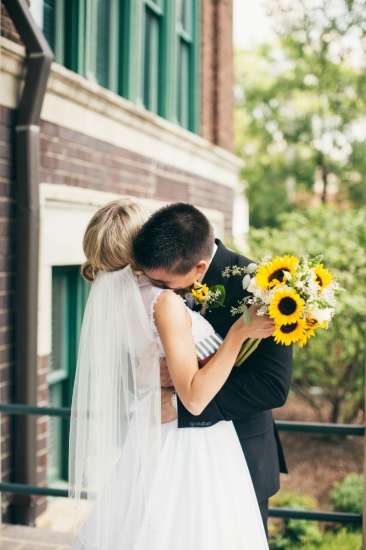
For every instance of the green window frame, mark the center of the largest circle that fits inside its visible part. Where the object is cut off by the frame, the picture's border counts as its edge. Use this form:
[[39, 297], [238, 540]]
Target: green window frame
[[174, 73], [187, 36], [84, 36], [69, 295], [145, 50]]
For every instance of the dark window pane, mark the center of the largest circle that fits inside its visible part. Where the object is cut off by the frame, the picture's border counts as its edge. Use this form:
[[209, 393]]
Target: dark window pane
[[184, 8], [59, 294], [183, 84], [103, 34], [49, 22], [71, 38], [181, 8], [151, 61]]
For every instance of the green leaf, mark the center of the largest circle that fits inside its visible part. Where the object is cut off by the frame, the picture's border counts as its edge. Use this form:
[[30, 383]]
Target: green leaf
[[251, 268], [246, 317], [246, 281]]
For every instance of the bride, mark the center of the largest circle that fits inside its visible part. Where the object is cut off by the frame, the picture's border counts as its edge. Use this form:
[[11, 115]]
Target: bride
[[151, 486]]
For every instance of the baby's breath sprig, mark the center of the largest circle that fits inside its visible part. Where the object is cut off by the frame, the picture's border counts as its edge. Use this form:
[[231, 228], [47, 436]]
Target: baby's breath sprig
[[247, 272], [236, 270]]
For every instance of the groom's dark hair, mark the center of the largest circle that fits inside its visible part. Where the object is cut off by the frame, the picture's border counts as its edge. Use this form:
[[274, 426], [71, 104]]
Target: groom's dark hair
[[175, 238]]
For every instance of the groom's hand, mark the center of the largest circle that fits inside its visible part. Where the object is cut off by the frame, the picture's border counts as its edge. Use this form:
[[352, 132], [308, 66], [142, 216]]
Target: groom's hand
[[168, 412], [165, 380]]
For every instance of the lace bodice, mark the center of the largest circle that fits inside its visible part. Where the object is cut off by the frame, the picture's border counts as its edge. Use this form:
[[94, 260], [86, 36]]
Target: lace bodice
[[204, 336]]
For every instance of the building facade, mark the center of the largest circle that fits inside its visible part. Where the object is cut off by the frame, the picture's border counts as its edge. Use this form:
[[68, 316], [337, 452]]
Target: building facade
[[140, 103]]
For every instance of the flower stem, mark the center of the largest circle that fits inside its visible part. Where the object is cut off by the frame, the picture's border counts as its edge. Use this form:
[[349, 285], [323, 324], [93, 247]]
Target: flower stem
[[247, 348]]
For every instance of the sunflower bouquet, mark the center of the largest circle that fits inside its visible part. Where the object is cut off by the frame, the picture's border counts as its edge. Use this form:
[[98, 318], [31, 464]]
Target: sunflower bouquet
[[298, 293]]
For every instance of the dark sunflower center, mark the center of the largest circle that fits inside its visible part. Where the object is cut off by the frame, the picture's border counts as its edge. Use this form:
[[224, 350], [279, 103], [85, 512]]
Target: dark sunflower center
[[287, 306], [319, 280], [278, 274], [287, 329]]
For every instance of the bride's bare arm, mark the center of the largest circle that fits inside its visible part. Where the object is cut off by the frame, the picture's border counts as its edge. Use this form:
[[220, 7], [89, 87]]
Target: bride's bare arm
[[197, 387]]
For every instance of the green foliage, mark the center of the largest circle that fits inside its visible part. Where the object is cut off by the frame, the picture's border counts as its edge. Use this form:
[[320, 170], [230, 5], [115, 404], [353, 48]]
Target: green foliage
[[294, 534], [342, 540], [286, 533], [300, 106], [334, 360], [347, 495], [288, 499]]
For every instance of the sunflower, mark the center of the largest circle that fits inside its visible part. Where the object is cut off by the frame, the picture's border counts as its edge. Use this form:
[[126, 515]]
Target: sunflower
[[272, 273], [310, 326], [322, 276], [286, 306], [200, 292], [286, 334]]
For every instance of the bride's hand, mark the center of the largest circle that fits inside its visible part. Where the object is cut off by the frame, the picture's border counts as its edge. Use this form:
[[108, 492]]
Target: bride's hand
[[259, 326], [165, 380], [168, 412]]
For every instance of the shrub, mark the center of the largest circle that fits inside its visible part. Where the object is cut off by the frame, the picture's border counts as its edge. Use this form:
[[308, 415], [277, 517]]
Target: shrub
[[347, 495], [286, 534], [287, 499], [334, 541]]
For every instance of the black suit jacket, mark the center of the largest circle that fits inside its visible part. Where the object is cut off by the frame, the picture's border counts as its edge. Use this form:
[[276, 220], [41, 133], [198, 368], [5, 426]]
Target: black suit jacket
[[262, 383]]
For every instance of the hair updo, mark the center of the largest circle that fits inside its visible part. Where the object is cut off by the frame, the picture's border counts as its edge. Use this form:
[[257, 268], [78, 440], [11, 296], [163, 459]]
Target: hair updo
[[108, 239]]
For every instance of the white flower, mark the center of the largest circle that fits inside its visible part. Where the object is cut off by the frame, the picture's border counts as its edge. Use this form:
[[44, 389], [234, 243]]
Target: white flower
[[253, 286], [320, 315], [299, 284]]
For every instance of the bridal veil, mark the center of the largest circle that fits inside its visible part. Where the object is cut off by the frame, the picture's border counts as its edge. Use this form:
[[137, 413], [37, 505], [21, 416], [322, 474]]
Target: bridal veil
[[116, 404]]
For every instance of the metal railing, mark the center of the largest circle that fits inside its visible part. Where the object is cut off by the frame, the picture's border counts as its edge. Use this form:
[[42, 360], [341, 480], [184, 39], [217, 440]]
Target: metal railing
[[287, 426]]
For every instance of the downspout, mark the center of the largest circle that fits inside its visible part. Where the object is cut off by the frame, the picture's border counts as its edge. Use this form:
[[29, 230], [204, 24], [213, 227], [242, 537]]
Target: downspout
[[38, 62]]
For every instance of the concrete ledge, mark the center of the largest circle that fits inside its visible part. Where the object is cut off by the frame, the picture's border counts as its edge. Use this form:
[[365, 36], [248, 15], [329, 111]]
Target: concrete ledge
[[20, 537]]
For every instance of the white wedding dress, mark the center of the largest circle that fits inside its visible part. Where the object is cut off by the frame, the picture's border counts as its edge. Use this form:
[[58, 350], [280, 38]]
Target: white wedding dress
[[207, 500]]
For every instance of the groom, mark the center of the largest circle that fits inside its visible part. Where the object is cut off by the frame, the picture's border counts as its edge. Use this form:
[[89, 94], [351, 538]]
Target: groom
[[174, 248]]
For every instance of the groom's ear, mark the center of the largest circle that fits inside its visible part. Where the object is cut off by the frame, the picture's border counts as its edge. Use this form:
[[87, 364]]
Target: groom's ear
[[202, 266]]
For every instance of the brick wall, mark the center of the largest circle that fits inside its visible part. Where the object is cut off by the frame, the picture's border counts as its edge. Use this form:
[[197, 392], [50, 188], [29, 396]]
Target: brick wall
[[217, 73], [7, 28], [42, 425], [71, 158], [207, 70], [224, 101], [7, 283]]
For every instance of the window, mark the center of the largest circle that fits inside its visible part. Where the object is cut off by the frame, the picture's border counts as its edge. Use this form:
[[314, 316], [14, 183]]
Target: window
[[186, 108], [69, 295], [49, 22], [154, 17], [84, 37], [145, 50]]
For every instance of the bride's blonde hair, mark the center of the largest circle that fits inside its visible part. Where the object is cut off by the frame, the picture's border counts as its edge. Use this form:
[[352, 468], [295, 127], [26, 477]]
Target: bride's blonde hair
[[108, 239]]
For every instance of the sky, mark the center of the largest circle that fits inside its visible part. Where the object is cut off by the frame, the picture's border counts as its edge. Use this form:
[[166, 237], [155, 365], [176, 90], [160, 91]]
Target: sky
[[251, 25]]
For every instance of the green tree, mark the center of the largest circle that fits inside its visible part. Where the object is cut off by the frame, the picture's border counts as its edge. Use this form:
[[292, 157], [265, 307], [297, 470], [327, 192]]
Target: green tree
[[334, 359], [300, 120]]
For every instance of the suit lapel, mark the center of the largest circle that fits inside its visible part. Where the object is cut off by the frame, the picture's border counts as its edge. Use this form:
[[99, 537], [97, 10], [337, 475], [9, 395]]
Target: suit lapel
[[213, 276], [221, 259]]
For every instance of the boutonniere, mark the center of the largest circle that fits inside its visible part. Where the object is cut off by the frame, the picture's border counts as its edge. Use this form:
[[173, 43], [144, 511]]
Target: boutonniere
[[208, 297]]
